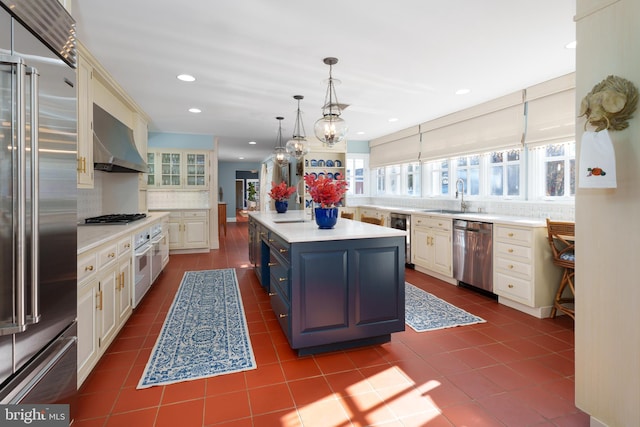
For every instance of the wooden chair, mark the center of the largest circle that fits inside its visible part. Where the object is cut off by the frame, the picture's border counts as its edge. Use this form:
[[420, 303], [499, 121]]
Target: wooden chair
[[372, 220], [347, 215], [562, 241]]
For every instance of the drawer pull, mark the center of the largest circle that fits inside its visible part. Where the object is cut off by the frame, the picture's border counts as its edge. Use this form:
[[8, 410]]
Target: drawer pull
[[283, 315], [112, 255], [510, 286], [270, 240], [510, 266], [282, 279], [510, 250], [99, 298], [272, 294], [510, 234], [282, 251], [272, 264], [88, 268], [127, 246]]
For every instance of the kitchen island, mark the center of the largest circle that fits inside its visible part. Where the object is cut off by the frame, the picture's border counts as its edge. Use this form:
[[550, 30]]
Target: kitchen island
[[329, 289]]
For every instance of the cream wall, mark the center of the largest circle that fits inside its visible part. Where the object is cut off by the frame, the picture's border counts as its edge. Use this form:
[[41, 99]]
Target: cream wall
[[607, 334]]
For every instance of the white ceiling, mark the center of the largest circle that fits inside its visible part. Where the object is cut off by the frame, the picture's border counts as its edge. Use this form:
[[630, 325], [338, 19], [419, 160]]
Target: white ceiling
[[403, 59]]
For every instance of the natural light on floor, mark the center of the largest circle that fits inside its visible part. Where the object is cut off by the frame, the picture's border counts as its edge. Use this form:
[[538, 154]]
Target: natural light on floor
[[365, 402]]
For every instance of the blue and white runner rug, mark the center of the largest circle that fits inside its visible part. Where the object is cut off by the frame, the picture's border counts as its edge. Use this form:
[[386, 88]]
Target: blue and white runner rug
[[205, 332], [425, 312]]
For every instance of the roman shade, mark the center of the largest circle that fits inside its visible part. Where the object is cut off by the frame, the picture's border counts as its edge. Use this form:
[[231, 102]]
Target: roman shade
[[551, 111], [399, 147], [494, 125]]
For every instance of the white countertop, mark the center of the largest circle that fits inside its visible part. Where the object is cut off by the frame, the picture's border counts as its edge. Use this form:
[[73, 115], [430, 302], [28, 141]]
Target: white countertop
[[470, 216], [92, 236], [305, 230]]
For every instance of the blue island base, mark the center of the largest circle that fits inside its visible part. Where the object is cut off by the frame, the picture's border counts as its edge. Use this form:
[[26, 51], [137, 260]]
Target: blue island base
[[343, 345]]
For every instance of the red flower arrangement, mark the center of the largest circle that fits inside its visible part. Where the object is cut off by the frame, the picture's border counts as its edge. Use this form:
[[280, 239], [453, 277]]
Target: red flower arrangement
[[325, 191], [281, 192]]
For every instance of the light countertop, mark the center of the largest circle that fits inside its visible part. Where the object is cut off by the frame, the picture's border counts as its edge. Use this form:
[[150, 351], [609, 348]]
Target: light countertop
[[469, 216], [295, 227], [92, 236]]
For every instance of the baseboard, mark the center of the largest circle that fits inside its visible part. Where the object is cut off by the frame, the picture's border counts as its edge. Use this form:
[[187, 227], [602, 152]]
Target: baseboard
[[449, 280], [539, 312]]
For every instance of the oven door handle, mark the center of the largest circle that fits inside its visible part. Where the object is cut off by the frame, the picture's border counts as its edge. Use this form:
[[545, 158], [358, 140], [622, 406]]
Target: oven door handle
[[157, 240], [146, 247]]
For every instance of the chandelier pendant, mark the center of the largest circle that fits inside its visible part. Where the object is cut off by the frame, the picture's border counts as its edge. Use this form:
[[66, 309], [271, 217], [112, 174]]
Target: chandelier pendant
[[331, 129], [298, 146]]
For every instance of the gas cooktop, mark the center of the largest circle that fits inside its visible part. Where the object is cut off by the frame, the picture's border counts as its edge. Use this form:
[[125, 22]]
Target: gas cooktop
[[114, 219]]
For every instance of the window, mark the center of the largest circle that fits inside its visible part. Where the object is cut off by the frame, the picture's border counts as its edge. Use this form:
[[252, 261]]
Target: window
[[468, 170], [411, 174], [394, 180], [356, 167], [504, 173], [559, 173], [380, 181], [437, 178]]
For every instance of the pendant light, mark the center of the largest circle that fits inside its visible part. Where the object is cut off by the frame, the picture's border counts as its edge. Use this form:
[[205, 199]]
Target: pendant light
[[297, 146], [331, 129], [280, 156]]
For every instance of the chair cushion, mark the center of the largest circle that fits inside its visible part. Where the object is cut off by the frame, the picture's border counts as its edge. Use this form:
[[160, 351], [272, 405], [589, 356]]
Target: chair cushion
[[568, 256]]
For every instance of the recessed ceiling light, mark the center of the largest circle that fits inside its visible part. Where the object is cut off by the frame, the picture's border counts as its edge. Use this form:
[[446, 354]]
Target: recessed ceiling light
[[571, 45], [463, 91], [252, 143], [195, 110], [360, 133], [393, 119], [186, 78], [240, 158]]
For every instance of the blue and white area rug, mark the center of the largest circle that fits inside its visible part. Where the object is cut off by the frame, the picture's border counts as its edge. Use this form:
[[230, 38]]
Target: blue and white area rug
[[205, 332], [425, 312]]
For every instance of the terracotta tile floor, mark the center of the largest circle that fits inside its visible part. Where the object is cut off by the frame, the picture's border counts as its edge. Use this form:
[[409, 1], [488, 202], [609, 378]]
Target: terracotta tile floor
[[514, 370]]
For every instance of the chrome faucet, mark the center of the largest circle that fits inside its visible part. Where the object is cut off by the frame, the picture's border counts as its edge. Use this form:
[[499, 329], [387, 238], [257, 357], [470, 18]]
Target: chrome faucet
[[459, 183]]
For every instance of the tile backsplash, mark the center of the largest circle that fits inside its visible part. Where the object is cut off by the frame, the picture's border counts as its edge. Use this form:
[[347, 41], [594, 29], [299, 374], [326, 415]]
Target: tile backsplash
[[177, 200]]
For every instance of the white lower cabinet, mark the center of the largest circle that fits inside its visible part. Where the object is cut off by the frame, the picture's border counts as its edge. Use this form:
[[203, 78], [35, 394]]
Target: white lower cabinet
[[189, 229], [104, 300], [524, 276], [431, 246]]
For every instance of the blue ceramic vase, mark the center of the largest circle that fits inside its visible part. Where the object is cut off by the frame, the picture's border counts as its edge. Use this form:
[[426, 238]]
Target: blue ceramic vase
[[326, 218], [282, 206]]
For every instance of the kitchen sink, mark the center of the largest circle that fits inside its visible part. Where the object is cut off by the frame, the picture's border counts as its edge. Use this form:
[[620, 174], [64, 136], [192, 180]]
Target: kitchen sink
[[443, 211], [284, 221]]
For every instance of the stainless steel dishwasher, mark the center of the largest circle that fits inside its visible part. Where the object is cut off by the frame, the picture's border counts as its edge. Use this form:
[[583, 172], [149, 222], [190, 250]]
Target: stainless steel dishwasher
[[472, 253]]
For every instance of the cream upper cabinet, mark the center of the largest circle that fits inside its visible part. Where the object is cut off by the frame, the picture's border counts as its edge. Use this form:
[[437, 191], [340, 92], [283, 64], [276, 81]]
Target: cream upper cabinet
[[85, 124], [176, 169]]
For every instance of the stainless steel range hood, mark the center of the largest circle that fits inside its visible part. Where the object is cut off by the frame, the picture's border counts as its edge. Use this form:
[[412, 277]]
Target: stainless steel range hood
[[114, 149]]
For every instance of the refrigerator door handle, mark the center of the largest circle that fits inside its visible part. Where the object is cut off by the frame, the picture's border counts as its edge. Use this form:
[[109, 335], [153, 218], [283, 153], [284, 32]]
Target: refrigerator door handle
[[18, 323], [34, 316]]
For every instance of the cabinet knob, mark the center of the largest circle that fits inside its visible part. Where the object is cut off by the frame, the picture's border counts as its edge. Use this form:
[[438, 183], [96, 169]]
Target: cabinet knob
[[282, 279], [283, 315], [510, 266], [510, 250], [88, 268], [282, 251], [510, 234], [510, 286], [270, 240], [272, 294], [112, 255], [272, 264]]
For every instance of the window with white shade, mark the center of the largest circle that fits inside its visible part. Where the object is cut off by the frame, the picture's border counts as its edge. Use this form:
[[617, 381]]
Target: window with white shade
[[468, 170], [356, 173]]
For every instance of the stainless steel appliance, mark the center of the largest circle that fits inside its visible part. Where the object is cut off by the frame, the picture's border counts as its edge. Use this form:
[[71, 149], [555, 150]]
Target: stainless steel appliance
[[38, 147], [114, 219], [401, 221], [156, 252], [472, 253], [142, 265]]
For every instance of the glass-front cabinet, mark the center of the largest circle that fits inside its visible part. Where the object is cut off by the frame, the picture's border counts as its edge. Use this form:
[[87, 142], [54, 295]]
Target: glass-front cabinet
[[178, 169]]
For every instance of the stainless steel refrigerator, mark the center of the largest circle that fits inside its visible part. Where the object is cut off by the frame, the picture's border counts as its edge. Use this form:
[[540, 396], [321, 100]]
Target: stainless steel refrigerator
[[38, 144]]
